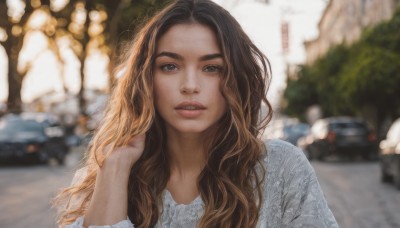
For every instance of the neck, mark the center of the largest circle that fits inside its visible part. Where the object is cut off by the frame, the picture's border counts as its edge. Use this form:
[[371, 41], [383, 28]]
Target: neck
[[186, 152]]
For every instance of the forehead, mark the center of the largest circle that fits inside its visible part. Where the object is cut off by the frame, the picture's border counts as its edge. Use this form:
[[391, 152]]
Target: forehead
[[181, 37]]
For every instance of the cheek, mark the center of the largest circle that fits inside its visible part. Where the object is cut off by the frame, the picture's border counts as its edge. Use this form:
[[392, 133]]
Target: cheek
[[163, 91], [220, 100], [160, 87], [223, 105], [159, 92]]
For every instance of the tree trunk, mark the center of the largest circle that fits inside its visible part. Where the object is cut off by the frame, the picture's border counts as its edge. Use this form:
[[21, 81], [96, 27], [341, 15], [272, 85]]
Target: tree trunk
[[14, 101], [81, 95], [89, 5], [114, 11], [14, 82], [13, 47]]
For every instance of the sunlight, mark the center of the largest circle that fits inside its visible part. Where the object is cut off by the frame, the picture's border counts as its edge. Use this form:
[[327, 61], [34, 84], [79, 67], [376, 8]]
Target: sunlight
[[71, 73], [16, 9], [262, 26], [96, 71], [3, 35], [38, 19], [31, 52], [57, 5], [41, 80]]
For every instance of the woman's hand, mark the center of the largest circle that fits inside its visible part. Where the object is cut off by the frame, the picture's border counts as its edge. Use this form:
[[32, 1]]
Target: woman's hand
[[109, 204], [126, 156]]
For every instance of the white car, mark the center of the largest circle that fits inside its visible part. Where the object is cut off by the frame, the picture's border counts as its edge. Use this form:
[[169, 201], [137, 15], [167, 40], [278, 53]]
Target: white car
[[390, 155]]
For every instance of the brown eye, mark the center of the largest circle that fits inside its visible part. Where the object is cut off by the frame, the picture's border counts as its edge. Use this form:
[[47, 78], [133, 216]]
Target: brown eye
[[168, 67], [212, 68]]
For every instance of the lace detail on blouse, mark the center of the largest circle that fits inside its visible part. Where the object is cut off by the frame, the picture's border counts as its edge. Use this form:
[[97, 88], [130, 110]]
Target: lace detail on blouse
[[176, 215]]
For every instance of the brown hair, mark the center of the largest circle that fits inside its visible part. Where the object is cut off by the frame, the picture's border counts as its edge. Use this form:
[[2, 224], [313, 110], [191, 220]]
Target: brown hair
[[231, 182]]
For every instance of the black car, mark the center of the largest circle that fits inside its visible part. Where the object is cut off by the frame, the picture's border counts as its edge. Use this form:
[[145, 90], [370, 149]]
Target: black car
[[390, 155], [31, 137], [342, 136]]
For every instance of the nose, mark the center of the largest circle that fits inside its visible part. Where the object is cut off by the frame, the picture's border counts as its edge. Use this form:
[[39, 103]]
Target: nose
[[190, 82]]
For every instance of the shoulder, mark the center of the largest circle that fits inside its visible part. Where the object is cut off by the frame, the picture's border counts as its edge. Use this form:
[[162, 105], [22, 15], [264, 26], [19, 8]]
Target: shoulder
[[292, 195], [279, 146], [285, 159], [278, 151]]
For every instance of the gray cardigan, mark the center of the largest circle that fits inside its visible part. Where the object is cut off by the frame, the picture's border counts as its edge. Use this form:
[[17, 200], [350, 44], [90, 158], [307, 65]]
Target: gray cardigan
[[292, 196]]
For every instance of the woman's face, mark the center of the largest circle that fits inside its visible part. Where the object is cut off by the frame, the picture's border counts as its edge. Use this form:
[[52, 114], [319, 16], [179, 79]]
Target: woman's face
[[187, 75]]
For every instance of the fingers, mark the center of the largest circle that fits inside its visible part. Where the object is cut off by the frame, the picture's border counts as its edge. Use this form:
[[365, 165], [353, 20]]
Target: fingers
[[138, 141]]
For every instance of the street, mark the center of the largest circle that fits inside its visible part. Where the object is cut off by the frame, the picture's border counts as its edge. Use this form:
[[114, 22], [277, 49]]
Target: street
[[354, 192], [26, 192], [356, 196]]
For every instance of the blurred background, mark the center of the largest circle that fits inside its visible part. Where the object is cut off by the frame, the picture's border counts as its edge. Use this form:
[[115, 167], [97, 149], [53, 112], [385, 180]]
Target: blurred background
[[335, 93]]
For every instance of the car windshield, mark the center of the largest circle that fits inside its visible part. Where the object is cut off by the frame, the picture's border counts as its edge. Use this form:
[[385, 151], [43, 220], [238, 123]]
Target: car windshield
[[297, 128], [347, 125], [13, 126]]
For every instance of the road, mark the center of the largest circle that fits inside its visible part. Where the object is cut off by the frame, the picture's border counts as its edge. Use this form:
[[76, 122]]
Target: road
[[26, 192], [356, 196], [353, 190]]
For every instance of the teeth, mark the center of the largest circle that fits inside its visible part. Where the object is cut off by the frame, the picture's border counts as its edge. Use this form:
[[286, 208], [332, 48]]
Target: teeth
[[189, 108]]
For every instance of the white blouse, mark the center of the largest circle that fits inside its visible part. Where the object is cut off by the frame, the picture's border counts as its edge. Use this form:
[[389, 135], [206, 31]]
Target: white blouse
[[292, 196]]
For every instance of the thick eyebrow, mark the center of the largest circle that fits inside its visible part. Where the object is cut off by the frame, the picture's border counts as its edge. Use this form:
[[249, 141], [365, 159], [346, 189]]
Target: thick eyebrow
[[179, 57], [170, 54], [211, 56]]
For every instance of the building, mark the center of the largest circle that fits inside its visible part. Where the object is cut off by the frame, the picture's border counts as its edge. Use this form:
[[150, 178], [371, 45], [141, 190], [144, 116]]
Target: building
[[343, 22]]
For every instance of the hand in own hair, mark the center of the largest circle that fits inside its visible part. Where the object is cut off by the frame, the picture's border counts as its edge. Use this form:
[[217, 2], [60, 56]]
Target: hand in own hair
[[126, 156], [109, 202]]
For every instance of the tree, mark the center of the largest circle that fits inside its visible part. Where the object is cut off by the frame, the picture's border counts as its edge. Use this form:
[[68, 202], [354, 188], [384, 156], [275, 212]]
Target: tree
[[14, 28], [300, 93], [372, 79], [121, 15], [317, 84], [362, 79]]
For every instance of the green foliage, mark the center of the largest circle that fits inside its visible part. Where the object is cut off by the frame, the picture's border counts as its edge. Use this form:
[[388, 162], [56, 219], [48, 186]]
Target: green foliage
[[347, 79], [300, 93], [317, 84], [385, 35], [371, 77], [325, 75]]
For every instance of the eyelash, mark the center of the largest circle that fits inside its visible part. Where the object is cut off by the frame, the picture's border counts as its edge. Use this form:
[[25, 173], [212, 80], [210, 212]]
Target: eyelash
[[217, 68], [165, 66]]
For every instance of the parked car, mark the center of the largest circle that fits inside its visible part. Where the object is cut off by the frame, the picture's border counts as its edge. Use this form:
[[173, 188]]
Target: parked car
[[291, 132], [342, 136], [390, 155], [33, 137], [275, 128]]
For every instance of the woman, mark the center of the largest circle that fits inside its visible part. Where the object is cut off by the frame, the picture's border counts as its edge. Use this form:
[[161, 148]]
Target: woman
[[180, 142]]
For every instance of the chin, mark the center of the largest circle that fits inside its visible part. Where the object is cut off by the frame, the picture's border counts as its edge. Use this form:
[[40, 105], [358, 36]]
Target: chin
[[191, 128]]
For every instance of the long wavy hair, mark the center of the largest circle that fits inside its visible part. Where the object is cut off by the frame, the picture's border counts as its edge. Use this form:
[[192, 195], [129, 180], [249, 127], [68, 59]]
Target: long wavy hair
[[230, 184]]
